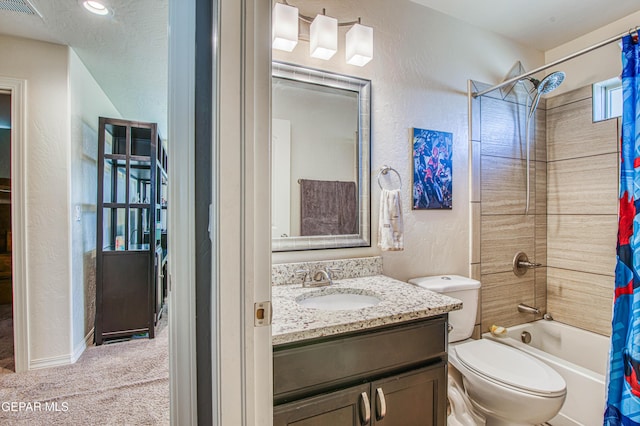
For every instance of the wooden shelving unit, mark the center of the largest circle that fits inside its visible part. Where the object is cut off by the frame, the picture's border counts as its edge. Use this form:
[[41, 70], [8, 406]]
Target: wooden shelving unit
[[131, 222]]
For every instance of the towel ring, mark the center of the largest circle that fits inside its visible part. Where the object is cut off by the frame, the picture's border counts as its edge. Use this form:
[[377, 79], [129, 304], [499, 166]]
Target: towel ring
[[384, 171]]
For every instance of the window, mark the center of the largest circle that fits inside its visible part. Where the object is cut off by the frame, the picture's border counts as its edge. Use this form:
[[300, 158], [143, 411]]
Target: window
[[607, 99]]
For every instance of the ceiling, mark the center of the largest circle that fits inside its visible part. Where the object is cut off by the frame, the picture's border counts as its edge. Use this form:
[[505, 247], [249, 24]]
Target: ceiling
[[541, 24], [127, 52]]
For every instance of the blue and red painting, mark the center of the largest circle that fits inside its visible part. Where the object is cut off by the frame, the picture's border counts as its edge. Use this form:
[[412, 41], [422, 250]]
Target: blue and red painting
[[432, 172]]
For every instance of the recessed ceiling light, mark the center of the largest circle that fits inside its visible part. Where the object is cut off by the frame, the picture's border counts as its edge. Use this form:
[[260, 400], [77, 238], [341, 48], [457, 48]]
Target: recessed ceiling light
[[95, 7]]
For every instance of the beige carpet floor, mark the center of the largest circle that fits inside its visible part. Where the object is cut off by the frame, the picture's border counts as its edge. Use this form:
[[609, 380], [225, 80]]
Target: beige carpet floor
[[6, 339], [123, 383]]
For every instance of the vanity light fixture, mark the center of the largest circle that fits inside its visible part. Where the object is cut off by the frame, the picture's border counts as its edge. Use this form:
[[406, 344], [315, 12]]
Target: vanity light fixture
[[284, 27], [359, 45], [323, 37], [323, 34], [95, 7]]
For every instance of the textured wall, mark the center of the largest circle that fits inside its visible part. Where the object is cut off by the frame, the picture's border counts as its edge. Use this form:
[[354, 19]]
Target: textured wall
[[45, 67], [61, 174], [582, 212], [499, 223], [87, 103], [422, 61], [598, 65]]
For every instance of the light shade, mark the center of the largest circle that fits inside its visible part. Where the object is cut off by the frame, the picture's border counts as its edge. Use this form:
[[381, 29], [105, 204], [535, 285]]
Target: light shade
[[285, 27], [359, 45], [323, 37]]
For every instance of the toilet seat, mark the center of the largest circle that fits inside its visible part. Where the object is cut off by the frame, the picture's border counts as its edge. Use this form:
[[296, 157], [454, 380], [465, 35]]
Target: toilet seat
[[505, 365]]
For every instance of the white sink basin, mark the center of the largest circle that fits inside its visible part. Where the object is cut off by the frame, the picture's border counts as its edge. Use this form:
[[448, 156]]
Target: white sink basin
[[338, 299]]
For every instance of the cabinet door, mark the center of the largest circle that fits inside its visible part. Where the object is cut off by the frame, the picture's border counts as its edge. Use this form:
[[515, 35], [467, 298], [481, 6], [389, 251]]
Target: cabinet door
[[348, 407], [417, 398]]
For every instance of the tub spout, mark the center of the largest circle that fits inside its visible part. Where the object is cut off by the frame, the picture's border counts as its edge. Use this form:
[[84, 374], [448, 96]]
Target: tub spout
[[526, 309]]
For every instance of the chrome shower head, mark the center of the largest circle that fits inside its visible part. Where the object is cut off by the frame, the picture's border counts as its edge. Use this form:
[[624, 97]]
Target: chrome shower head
[[550, 82], [546, 85]]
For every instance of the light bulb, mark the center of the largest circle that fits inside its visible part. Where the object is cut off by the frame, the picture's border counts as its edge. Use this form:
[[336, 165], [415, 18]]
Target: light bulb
[[95, 7]]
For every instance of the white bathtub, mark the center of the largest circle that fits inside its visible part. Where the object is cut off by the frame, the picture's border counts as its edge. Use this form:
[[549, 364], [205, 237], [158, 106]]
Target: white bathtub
[[580, 356]]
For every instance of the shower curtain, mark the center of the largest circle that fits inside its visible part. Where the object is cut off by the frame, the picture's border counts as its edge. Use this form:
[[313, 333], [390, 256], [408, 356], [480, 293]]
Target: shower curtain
[[623, 386]]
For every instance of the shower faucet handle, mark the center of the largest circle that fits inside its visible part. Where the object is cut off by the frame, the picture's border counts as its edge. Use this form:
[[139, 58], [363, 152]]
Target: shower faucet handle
[[521, 264], [528, 264]]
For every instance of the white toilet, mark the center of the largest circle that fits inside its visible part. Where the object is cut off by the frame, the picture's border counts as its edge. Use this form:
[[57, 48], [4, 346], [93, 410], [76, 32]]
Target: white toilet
[[506, 386]]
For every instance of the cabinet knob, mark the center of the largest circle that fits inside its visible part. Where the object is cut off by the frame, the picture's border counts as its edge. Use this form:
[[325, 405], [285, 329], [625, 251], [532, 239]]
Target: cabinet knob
[[364, 399]]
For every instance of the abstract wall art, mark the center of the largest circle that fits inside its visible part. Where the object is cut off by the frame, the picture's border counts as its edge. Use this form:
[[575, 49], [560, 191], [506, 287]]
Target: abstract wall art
[[432, 169]]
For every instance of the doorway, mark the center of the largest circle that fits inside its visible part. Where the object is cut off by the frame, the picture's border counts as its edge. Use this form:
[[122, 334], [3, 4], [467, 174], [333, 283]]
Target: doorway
[[7, 361]]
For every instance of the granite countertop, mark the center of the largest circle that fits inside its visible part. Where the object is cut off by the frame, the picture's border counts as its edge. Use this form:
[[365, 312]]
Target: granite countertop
[[400, 302]]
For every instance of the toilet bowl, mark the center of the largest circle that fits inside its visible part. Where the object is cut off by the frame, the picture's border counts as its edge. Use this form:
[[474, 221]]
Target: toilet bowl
[[502, 384], [507, 386]]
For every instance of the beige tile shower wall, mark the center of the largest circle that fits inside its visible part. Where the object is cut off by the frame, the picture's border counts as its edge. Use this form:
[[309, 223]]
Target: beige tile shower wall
[[582, 188], [504, 229]]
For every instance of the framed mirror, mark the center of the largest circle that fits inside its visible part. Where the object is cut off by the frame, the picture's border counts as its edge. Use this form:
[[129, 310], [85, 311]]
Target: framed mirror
[[321, 136]]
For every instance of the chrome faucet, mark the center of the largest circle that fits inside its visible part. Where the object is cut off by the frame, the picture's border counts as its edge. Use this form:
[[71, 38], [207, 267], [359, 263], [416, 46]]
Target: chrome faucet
[[526, 309], [320, 278]]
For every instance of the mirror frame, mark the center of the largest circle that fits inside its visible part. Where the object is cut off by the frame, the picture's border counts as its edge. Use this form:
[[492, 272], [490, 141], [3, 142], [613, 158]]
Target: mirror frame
[[363, 88]]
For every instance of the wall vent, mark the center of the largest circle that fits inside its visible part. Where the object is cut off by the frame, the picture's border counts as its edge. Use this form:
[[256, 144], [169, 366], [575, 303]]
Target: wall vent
[[21, 6]]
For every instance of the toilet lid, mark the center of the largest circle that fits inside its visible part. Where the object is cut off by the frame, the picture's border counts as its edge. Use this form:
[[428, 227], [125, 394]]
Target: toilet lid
[[507, 365]]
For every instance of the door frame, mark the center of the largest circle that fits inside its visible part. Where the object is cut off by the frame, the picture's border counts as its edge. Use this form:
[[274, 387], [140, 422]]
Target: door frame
[[239, 221], [18, 91], [181, 221], [241, 213]]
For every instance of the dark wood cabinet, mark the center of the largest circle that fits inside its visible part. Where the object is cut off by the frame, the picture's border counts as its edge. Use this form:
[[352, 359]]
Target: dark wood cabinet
[[345, 407], [390, 376], [131, 218], [412, 399], [415, 398]]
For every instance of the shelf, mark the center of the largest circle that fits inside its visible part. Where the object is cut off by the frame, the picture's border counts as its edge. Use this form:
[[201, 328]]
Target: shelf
[[124, 205], [132, 248], [129, 290], [140, 158], [122, 157]]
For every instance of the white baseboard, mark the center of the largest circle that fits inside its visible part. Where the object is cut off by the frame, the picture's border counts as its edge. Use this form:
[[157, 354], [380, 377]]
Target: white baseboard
[[56, 361], [82, 346]]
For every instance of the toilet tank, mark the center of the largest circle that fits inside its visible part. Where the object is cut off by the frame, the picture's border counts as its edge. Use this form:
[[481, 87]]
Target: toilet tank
[[461, 288]]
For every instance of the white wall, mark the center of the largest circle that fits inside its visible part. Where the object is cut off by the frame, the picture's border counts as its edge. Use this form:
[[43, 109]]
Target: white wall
[[63, 105], [87, 103], [422, 61], [597, 65], [45, 67]]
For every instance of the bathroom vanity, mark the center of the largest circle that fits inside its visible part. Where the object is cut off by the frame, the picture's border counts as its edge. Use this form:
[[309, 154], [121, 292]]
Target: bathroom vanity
[[384, 364]]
